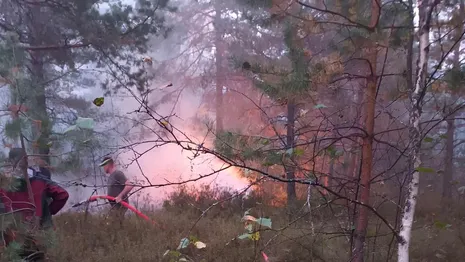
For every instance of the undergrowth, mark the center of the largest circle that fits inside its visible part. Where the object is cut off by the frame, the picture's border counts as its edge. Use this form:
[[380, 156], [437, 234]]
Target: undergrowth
[[227, 232]]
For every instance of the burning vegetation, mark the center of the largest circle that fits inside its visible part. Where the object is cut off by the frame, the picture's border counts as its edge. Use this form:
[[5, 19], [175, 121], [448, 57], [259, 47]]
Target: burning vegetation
[[245, 130]]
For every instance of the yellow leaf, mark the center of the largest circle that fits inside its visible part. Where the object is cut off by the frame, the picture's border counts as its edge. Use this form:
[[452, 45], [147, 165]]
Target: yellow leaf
[[255, 236], [299, 152], [164, 122], [99, 101]]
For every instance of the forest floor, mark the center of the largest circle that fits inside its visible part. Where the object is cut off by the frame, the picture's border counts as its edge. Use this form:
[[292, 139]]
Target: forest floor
[[437, 236]]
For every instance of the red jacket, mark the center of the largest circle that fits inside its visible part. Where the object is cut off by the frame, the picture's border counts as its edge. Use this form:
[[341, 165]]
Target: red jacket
[[42, 189]]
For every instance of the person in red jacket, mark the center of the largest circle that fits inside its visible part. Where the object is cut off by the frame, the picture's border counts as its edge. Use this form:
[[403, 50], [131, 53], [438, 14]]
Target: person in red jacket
[[49, 197]]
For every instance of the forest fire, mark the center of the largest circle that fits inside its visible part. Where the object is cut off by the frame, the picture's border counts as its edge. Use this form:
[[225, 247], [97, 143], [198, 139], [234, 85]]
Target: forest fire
[[237, 175], [229, 177], [341, 121], [279, 197]]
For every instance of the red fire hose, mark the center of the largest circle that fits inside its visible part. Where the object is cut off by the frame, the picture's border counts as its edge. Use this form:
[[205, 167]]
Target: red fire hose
[[123, 203]]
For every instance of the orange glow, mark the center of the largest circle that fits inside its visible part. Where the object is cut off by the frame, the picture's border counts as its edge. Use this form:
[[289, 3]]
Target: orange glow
[[280, 197], [236, 173]]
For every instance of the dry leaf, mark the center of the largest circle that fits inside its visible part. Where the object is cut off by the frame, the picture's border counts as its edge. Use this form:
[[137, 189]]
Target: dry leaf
[[249, 218], [148, 60], [303, 112], [200, 245]]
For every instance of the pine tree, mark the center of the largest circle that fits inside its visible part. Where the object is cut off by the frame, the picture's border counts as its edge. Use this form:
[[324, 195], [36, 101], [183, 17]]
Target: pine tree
[[280, 83], [57, 38]]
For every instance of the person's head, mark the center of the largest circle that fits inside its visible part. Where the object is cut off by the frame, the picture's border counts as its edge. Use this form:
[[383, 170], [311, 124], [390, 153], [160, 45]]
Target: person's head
[[17, 157], [108, 165]]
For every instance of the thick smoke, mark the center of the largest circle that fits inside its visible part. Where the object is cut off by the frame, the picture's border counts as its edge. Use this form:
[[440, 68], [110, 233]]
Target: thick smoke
[[167, 163]]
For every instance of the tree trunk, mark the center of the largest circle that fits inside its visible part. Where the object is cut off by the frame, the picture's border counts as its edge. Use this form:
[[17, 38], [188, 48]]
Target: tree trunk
[[367, 162], [352, 165], [424, 10], [290, 169], [331, 173], [219, 77], [355, 153], [42, 128], [449, 159], [450, 139], [367, 144]]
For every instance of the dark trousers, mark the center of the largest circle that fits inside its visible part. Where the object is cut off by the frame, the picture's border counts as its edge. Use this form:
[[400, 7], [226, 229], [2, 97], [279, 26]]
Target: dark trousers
[[116, 214]]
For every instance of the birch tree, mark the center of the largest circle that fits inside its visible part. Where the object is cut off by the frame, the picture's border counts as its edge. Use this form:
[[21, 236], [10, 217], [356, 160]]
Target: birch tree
[[425, 9]]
